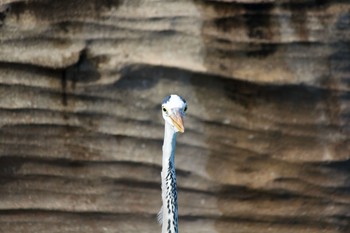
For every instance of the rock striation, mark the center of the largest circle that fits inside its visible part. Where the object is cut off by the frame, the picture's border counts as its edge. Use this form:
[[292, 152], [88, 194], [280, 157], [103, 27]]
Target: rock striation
[[267, 140]]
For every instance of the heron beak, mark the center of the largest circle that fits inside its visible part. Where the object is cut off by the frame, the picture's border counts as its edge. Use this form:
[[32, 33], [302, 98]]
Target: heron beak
[[177, 120]]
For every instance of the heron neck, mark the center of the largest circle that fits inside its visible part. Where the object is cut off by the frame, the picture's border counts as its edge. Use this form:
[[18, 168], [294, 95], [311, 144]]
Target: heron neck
[[169, 192], [169, 144]]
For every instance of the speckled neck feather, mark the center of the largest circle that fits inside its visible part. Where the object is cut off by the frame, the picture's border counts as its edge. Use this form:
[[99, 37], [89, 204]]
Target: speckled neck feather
[[168, 214]]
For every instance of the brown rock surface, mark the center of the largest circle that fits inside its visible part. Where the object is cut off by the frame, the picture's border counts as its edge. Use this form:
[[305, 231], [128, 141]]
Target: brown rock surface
[[267, 139]]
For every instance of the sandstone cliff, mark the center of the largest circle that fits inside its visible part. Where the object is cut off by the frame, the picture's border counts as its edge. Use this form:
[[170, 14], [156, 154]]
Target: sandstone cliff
[[267, 140]]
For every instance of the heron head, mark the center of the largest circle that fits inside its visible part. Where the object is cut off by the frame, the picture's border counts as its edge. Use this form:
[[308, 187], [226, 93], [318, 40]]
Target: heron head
[[173, 109]]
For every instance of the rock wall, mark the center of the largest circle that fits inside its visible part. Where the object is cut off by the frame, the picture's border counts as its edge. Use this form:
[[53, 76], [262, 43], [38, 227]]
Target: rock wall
[[267, 140]]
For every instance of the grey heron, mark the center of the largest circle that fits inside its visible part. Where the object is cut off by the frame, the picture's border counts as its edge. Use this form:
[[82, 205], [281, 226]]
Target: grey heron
[[173, 110]]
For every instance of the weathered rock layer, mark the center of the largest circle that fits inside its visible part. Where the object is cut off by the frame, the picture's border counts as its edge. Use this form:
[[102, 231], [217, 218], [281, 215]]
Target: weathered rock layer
[[267, 139]]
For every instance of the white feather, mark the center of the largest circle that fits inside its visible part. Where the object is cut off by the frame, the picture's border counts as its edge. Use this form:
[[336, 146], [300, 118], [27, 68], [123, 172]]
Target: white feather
[[160, 216]]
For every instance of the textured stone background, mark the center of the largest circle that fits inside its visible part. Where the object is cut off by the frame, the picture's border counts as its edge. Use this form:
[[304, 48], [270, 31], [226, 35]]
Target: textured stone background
[[267, 139]]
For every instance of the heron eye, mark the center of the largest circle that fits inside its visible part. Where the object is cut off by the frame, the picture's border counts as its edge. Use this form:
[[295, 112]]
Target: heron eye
[[164, 110], [185, 109]]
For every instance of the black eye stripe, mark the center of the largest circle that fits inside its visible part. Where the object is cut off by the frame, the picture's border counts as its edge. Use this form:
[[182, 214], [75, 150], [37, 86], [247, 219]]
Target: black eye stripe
[[182, 99], [166, 99]]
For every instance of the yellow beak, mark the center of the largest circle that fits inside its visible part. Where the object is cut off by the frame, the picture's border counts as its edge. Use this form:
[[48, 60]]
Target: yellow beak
[[177, 120]]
